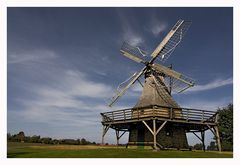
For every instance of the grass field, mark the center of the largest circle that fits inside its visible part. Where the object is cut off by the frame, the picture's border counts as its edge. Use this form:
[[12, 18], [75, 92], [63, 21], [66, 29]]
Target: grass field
[[31, 150]]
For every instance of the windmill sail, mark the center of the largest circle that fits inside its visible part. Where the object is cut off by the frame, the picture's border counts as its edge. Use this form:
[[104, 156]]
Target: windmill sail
[[171, 41], [176, 80], [122, 88], [132, 52], [132, 57], [172, 73]]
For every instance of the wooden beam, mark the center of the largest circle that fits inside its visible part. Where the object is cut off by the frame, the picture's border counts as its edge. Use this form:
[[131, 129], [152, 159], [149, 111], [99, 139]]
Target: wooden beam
[[105, 129], [148, 127], [140, 82], [211, 130], [117, 134], [197, 136], [154, 134], [218, 138], [159, 129], [122, 134], [215, 132], [203, 139]]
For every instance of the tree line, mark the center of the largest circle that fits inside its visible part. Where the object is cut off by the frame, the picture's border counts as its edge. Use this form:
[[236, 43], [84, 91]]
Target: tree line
[[20, 137], [212, 146]]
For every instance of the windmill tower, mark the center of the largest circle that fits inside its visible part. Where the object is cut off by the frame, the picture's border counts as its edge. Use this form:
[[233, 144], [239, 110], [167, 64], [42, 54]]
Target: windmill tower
[[157, 119]]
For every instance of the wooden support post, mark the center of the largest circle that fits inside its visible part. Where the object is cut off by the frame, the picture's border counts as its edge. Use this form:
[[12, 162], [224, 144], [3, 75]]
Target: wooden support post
[[216, 118], [171, 113], [117, 136], [218, 138], [105, 129], [203, 139], [154, 131], [103, 135], [154, 134], [112, 116]]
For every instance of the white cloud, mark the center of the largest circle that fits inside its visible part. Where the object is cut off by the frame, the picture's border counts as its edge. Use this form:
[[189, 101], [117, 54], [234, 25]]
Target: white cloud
[[73, 86], [132, 38], [30, 56], [158, 27], [211, 85], [64, 95], [206, 104], [129, 34]]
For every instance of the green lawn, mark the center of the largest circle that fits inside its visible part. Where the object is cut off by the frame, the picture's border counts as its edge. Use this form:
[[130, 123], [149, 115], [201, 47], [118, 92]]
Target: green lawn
[[29, 150]]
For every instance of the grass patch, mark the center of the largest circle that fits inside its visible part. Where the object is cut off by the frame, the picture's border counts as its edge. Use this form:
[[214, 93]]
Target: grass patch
[[30, 150]]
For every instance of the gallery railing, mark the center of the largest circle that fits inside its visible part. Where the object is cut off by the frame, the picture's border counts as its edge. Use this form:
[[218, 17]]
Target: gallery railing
[[169, 113]]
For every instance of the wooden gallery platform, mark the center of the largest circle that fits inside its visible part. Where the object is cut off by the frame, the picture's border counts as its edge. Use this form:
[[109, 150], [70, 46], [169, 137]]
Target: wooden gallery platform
[[158, 121]]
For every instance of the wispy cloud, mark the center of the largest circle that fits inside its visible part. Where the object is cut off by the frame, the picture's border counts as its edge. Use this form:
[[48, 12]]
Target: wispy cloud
[[206, 104], [211, 85], [65, 95], [30, 56], [51, 101], [137, 88], [129, 34], [133, 39], [158, 27]]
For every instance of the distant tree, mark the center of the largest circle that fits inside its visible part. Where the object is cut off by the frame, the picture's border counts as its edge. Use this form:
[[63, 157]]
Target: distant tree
[[212, 146], [83, 141], [226, 127], [55, 141], [46, 140], [14, 138], [197, 146], [9, 136], [21, 136], [27, 139], [35, 139], [69, 141]]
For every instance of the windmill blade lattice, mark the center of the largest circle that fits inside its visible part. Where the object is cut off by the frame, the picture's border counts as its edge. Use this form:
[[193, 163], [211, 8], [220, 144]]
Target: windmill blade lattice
[[175, 40], [133, 50], [123, 87], [177, 86]]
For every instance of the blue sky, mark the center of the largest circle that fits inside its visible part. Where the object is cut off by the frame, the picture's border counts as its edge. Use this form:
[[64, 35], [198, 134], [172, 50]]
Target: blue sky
[[64, 63]]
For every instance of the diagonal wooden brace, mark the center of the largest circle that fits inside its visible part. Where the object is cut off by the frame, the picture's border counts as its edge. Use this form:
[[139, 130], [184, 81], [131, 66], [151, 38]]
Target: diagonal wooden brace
[[148, 127], [159, 129]]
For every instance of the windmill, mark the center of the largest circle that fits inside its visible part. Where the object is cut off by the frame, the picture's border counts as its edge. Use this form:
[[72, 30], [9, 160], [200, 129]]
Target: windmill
[[156, 105], [158, 73]]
